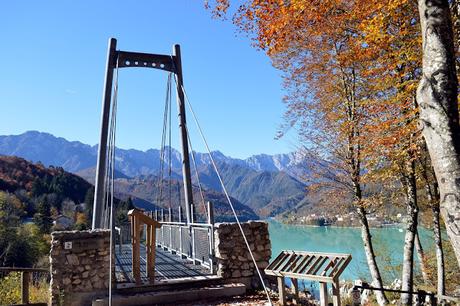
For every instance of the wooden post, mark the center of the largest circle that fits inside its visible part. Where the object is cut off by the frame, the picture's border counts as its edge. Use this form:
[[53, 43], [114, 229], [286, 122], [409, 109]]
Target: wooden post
[[25, 277], [336, 293], [295, 285], [183, 133], [99, 185], [323, 294], [139, 219], [281, 291], [136, 250], [150, 243]]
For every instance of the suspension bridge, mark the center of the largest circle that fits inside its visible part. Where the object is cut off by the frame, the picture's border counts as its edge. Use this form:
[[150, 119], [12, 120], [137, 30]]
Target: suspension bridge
[[174, 244]]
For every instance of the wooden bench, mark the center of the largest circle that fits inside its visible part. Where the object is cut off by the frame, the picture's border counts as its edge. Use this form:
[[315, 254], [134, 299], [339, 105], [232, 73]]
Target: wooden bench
[[323, 267]]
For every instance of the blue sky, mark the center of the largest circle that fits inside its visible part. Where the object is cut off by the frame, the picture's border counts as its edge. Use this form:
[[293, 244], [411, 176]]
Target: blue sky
[[53, 61]]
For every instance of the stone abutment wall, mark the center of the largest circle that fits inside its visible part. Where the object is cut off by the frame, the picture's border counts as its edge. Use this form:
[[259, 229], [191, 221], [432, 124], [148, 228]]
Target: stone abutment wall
[[234, 262], [79, 266]]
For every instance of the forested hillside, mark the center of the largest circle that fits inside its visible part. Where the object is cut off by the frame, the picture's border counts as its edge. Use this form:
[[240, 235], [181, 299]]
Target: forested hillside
[[34, 200]]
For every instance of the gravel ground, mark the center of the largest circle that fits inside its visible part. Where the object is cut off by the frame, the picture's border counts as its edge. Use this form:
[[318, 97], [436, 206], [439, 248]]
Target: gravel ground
[[251, 298]]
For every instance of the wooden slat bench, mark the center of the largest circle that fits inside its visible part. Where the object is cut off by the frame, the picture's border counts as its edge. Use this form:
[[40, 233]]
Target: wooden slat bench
[[322, 267]]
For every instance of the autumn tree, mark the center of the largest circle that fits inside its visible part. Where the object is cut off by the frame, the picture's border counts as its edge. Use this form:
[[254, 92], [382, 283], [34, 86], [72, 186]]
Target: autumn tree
[[391, 36], [316, 44]]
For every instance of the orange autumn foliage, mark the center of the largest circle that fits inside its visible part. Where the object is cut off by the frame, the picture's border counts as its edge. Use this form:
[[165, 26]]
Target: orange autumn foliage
[[350, 68]]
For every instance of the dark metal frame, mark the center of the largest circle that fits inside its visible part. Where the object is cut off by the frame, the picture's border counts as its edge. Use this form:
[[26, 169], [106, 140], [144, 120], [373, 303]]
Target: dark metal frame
[[125, 59]]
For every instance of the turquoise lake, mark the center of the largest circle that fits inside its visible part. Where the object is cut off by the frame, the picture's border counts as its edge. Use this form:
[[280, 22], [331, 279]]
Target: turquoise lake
[[388, 243]]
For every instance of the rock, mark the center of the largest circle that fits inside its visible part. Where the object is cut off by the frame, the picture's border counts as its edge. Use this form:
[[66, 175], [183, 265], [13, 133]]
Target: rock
[[76, 282], [66, 281], [72, 259], [247, 273], [243, 259]]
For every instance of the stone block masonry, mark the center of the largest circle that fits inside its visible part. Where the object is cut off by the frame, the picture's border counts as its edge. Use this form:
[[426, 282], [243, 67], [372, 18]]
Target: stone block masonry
[[234, 262], [79, 266]]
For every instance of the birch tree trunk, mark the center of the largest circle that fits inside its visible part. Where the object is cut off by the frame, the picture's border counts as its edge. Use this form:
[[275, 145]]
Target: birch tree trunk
[[409, 182], [437, 97], [421, 258], [370, 257], [439, 251], [432, 194], [367, 239]]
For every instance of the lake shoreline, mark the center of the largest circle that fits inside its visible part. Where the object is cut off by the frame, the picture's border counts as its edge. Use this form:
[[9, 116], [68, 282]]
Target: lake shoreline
[[392, 225]]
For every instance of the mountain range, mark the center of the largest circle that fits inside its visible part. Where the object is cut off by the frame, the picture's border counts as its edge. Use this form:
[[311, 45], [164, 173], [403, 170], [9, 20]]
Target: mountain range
[[74, 156], [267, 184]]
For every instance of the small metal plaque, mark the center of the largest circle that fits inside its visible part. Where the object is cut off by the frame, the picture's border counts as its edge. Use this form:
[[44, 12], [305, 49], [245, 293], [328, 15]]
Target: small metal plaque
[[83, 245], [68, 245]]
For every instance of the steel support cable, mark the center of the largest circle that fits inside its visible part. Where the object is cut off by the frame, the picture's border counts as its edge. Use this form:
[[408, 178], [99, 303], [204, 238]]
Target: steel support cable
[[163, 140], [225, 191], [113, 128], [196, 170], [170, 147], [110, 162]]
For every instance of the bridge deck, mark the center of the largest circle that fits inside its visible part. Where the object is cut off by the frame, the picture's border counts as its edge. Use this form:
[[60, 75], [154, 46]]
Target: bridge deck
[[167, 267]]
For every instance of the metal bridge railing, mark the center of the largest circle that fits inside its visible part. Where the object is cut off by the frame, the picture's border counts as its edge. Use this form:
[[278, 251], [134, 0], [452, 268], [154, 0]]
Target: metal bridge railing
[[194, 241]]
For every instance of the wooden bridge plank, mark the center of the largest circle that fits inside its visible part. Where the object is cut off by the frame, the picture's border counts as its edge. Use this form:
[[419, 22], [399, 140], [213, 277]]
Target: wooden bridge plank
[[332, 264], [321, 263], [338, 263], [305, 266], [304, 259], [276, 260], [342, 267], [285, 255], [288, 262], [312, 267]]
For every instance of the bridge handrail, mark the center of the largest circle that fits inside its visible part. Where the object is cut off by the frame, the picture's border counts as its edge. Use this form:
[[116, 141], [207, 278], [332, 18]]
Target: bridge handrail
[[194, 241], [185, 224], [15, 269]]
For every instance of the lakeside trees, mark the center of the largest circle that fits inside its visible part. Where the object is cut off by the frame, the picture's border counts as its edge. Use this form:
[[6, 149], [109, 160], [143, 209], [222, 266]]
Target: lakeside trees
[[362, 97]]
